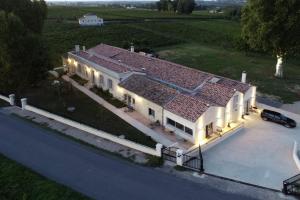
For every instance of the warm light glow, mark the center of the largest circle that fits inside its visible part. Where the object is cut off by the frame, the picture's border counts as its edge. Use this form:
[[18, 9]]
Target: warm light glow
[[138, 98], [241, 106], [88, 69], [253, 96], [69, 60], [120, 90], [75, 63], [96, 74], [220, 117]]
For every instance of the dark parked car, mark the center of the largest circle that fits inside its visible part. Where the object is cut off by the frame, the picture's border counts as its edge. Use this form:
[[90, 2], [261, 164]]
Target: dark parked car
[[269, 115]]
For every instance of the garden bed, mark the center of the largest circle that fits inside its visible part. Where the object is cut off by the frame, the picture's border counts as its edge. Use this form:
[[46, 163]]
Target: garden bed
[[108, 97], [79, 80]]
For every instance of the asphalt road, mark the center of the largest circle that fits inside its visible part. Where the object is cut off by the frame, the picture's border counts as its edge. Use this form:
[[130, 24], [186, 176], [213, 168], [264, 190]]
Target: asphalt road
[[97, 175]]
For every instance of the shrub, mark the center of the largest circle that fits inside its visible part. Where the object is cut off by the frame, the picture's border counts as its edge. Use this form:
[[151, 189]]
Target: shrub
[[154, 161]]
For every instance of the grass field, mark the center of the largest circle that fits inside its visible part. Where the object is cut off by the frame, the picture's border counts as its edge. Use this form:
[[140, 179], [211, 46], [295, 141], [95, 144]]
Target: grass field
[[87, 111], [18, 182], [73, 13], [3, 103], [205, 44]]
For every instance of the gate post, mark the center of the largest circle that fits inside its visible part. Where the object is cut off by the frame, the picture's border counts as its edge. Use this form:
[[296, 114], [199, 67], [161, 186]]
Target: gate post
[[23, 103], [179, 157], [12, 99], [159, 149]]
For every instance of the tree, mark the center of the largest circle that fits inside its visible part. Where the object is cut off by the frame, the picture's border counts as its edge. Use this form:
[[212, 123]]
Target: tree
[[188, 6], [272, 25], [179, 6], [24, 59]]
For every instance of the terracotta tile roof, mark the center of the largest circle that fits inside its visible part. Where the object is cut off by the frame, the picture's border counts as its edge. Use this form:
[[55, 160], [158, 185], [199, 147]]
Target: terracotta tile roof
[[163, 81], [149, 89], [188, 107], [104, 62], [105, 50], [239, 86], [215, 93], [172, 73]]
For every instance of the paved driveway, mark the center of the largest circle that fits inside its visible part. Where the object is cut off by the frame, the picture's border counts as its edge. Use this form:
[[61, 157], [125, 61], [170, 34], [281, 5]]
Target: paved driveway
[[260, 154]]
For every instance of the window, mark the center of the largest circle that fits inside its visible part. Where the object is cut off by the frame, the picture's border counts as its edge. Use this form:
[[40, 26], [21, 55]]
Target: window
[[101, 80], [179, 126], [133, 101], [188, 130], [170, 121], [125, 97], [151, 112], [110, 84], [235, 101]]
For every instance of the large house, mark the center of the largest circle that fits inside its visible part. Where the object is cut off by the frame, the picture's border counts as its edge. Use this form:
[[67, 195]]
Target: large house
[[90, 20], [191, 103]]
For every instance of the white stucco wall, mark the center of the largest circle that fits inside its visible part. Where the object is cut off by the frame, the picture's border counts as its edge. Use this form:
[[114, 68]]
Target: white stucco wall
[[251, 96], [176, 118], [213, 115], [142, 105], [90, 20]]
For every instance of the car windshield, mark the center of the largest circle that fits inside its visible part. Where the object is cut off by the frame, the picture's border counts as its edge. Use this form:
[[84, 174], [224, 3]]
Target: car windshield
[[284, 117]]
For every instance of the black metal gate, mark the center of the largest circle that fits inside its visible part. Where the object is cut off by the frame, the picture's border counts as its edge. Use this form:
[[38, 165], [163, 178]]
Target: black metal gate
[[191, 162], [169, 153], [292, 185]]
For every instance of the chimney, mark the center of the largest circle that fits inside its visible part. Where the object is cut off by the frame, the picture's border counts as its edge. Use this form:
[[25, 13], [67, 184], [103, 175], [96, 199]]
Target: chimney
[[77, 48], [244, 75], [83, 48], [132, 48]]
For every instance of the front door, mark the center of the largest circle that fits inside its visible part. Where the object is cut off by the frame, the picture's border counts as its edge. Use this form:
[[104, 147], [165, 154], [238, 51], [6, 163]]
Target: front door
[[209, 130], [129, 101], [247, 106]]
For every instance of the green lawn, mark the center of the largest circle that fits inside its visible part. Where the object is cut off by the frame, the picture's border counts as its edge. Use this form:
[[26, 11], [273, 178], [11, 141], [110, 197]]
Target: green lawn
[[87, 111], [231, 63], [206, 44], [3, 103], [18, 182], [73, 13]]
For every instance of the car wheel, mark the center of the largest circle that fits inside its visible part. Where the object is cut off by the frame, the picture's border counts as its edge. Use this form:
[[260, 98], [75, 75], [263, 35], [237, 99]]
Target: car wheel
[[265, 119], [287, 125]]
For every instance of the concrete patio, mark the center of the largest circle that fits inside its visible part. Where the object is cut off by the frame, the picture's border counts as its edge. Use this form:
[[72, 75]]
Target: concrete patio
[[260, 154], [177, 141]]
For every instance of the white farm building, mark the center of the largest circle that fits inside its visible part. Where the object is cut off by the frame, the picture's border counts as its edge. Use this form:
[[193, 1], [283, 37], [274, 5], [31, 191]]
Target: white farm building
[[90, 20], [191, 103]]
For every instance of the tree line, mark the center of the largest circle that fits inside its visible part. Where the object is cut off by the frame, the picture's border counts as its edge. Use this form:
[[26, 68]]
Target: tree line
[[24, 58], [178, 6]]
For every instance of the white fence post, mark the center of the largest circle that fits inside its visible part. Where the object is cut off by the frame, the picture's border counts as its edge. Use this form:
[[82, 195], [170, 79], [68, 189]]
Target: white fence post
[[12, 99], [23, 103], [179, 157], [158, 149]]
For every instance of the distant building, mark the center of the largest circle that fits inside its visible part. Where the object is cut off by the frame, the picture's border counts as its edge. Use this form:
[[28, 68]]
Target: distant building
[[90, 20]]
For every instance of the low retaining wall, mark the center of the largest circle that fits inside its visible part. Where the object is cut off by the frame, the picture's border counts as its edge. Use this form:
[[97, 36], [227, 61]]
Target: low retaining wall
[[295, 155], [5, 98], [209, 145], [99, 133], [10, 99]]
